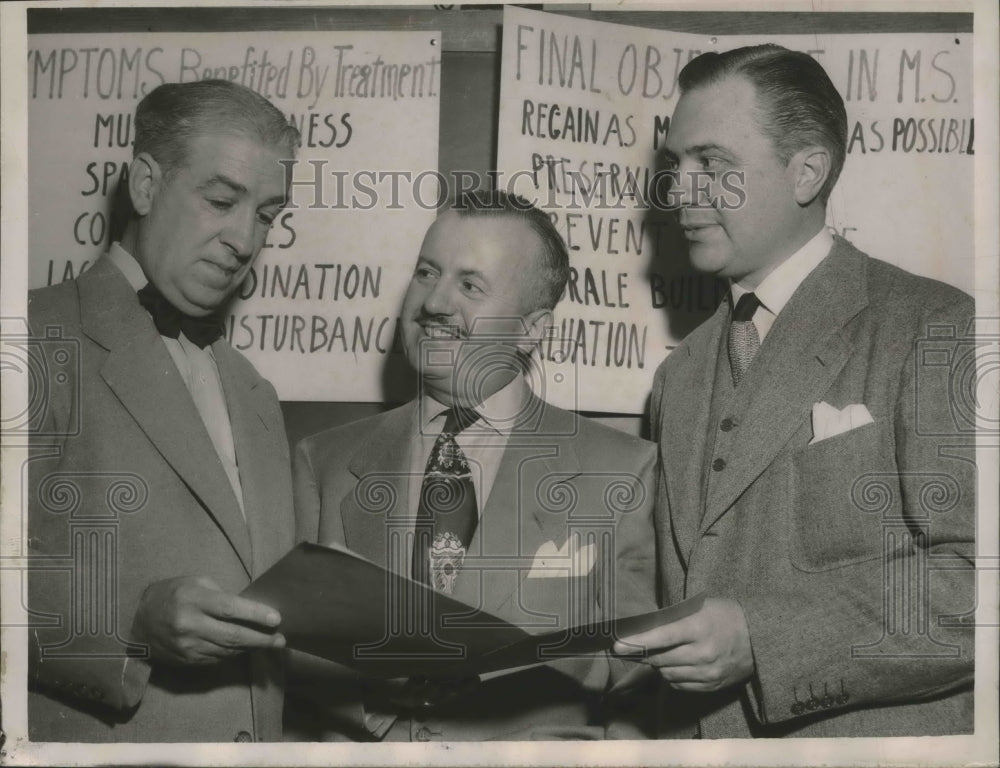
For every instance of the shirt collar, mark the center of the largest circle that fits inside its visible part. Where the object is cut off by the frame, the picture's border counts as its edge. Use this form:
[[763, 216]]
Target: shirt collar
[[499, 411], [777, 288], [128, 266]]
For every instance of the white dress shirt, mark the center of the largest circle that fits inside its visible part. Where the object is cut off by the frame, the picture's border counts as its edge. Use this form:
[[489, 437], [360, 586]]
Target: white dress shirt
[[777, 288], [483, 443], [200, 373]]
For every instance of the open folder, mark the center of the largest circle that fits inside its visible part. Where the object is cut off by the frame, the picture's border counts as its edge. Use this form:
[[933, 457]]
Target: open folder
[[337, 605]]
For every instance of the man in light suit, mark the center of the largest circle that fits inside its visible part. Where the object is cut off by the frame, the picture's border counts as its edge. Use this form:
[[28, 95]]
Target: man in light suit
[[814, 483], [547, 487], [160, 481]]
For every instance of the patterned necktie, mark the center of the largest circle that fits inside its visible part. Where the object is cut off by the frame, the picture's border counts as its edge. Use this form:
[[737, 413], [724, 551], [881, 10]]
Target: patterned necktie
[[744, 341], [447, 515], [170, 321]]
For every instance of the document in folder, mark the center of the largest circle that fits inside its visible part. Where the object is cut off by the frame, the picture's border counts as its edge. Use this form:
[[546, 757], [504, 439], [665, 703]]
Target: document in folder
[[337, 605]]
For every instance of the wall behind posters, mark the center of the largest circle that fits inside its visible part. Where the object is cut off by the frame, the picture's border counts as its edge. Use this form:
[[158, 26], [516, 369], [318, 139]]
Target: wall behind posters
[[469, 86]]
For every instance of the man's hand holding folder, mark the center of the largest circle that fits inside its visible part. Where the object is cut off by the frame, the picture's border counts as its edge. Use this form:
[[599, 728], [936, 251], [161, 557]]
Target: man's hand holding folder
[[339, 606]]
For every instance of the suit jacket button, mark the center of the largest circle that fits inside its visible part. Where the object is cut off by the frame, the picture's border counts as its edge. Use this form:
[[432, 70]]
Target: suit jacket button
[[727, 424], [719, 464], [243, 736]]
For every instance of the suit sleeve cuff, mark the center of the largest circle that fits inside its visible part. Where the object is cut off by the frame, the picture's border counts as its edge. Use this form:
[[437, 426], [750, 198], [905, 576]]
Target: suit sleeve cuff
[[789, 648], [135, 676], [97, 673]]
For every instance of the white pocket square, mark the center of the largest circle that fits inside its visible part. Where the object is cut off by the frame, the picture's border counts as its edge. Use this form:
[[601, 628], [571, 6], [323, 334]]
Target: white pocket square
[[564, 562], [828, 421]]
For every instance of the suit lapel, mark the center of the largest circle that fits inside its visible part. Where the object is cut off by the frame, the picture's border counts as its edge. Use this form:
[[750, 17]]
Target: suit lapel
[[685, 428], [537, 461], [496, 537], [797, 363], [379, 504], [256, 452], [141, 373]]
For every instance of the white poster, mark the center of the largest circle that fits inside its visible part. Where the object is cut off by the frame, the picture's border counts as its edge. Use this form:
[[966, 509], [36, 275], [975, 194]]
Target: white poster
[[910, 138], [585, 107], [318, 313]]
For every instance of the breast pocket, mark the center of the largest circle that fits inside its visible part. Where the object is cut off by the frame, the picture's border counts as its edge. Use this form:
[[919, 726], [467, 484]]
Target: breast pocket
[[844, 489]]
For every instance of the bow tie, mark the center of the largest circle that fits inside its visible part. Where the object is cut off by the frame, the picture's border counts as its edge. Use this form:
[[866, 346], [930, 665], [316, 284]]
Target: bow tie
[[171, 322]]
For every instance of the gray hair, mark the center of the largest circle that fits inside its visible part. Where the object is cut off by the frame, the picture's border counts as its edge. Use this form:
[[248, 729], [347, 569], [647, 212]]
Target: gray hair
[[172, 114]]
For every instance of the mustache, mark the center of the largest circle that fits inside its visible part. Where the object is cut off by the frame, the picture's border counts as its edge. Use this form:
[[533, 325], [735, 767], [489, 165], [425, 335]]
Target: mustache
[[444, 323]]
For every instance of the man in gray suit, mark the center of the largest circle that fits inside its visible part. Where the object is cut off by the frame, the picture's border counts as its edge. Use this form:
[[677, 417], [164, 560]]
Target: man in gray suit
[[160, 465], [488, 493], [814, 481]]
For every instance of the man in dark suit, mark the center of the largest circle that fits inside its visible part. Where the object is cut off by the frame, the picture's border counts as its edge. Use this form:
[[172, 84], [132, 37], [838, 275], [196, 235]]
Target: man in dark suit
[[160, 468], [550, 516], [814, 484]]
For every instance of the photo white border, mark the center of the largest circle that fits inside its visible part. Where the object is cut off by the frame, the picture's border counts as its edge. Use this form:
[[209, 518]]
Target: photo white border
[[981, 749]]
